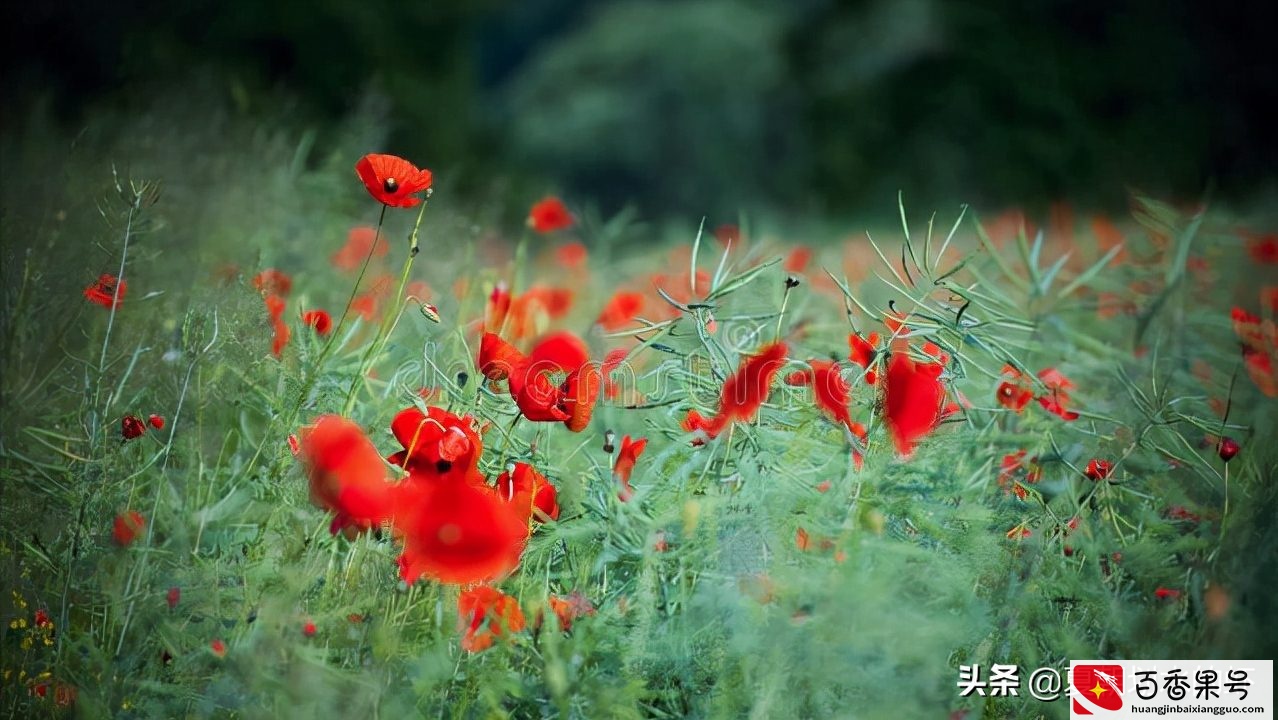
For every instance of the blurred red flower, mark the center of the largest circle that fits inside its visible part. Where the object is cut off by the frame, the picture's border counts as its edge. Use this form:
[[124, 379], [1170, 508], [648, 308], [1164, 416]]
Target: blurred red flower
[[548, 215], [361, 242], [131, 427], [391, 180], [156, 421], [621, 310], [346, 474], [1012, 393], [486, 614], [318, 319], [273, 282], [627, 456], [127, 527], [457, 532], [571, 255], [1098, 469], [743, 392], [1057, 398], [106, 291], [913, 396]]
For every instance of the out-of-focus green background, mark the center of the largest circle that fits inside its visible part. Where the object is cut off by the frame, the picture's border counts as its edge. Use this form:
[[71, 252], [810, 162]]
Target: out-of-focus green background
[[709, 106]]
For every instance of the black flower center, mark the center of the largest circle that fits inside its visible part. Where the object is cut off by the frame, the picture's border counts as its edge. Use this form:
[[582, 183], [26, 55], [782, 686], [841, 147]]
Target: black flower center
[[390, 185], [443, 466]]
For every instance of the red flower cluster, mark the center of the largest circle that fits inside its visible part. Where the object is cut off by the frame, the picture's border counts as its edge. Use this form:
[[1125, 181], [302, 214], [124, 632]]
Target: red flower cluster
[[1259, 340], [556, 382], [485, 614], [453, 526], [1014, 393], [275, 286], [106, 291]]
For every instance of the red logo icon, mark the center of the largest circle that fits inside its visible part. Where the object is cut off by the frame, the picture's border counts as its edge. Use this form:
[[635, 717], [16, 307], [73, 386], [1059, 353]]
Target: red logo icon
[[1096, 689]]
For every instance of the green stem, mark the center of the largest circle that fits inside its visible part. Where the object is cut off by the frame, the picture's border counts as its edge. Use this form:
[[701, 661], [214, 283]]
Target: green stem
[[388, 320]]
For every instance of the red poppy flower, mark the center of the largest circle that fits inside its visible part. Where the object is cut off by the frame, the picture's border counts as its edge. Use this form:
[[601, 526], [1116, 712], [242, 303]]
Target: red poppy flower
[[280, 332], [798, 259], [1098, 469], [127, 527], [361, 242], [308, 629], [621, 310], [530, 492], [568, 608], [156, 421], [173, 597], [131, 427], [831, 393], [863, 351], [548, 215], [913, 396], [625, 465], [802, 540], [273, 282], [41, 618], [391, 180], [1163, 593], [486, 614], [571, 255], [218, 648], [1263, 248], [540, 399], [346, 474], [106, 291], [456, 532], [1012, 393], [318, 319], [1057, 397], [1227, 448], [437, 443], [744, 392]]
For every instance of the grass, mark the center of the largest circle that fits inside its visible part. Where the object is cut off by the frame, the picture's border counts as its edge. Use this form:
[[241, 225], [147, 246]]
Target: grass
[[706, 606]]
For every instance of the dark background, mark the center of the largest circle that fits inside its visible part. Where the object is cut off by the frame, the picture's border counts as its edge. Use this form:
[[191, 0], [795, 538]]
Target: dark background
[[713, 106]]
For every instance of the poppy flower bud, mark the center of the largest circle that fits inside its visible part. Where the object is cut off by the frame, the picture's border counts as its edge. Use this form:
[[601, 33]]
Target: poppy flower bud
[[609, 438], [1228, 448], [131, 427]]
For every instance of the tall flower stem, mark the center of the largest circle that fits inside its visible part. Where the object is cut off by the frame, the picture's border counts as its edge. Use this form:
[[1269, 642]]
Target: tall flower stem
[[388, 318], [328, 346]]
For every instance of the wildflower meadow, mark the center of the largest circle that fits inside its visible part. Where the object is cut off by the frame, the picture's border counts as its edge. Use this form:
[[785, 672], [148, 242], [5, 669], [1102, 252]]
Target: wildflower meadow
[[291, 431]]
